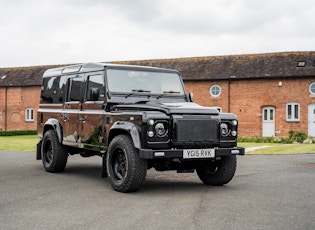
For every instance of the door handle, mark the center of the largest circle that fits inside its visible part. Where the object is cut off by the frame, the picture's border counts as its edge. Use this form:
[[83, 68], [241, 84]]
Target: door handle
[[82, 119], [64, 116]]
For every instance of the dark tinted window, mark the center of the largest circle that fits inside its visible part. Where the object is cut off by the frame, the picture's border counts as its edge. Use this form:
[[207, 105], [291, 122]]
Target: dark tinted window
[[76, 88], [53, 90], [95, 85]]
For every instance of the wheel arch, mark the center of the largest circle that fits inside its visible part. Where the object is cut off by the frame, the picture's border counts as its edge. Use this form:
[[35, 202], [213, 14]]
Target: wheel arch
[[125, 128], [53, 124]]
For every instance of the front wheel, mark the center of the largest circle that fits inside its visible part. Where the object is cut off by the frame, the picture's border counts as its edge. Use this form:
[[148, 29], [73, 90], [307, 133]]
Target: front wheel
[[54, 154], [219, 172], [126, 170]]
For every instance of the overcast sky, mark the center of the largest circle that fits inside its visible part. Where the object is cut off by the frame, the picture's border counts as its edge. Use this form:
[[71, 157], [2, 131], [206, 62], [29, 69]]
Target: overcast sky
[[46, 32]]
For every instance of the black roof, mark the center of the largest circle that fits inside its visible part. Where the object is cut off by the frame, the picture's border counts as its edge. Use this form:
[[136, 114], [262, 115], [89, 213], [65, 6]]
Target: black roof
[[248, 66], [88, 67]]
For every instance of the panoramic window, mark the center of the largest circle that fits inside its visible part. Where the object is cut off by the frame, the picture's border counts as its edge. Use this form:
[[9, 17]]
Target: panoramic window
[[312, 88], [29, 114], [293, 112], [215, 90]]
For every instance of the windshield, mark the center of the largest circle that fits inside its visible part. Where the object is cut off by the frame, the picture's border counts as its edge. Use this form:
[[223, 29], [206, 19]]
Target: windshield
[[131, 81]]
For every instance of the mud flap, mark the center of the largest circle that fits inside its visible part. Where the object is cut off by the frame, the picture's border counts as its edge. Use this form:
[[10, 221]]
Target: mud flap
[[38, 151], [104, 169]]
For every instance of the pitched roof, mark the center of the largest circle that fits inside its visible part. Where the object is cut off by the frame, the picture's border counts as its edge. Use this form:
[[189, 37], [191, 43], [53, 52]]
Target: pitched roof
[[22, 76], [270, 65]]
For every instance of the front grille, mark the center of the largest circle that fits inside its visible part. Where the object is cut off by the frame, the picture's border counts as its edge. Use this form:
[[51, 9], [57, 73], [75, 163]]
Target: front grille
[[196, 130]]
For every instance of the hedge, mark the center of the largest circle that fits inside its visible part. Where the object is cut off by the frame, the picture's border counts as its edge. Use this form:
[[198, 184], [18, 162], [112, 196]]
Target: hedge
[[18, 132]]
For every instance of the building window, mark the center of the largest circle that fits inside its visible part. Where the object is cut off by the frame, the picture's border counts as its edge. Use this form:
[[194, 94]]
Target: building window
[[312, 88], [293, 112], [301, 64], [215, 90], [217, 108], [29, 115]]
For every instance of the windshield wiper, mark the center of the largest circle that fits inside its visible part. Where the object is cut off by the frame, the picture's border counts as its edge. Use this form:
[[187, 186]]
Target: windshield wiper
[[137, 91], [171, 92], [140, 91], [167, 92]]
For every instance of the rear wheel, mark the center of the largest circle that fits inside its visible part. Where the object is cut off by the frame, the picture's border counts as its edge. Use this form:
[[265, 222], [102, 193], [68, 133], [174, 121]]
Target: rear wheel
[[54, 154], [219, 172], [126, 170]]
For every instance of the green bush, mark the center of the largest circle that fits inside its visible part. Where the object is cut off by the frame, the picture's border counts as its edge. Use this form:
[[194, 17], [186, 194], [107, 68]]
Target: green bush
[[294, 136], [298, 136], [18, 132]]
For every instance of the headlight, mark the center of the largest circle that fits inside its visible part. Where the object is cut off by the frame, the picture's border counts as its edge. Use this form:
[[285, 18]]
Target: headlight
[[160, 130], [157, 128], [224, 129]]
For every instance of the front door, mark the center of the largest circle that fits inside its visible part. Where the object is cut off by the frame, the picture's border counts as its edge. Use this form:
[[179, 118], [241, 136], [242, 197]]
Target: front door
[[311, 120], [268, 122]]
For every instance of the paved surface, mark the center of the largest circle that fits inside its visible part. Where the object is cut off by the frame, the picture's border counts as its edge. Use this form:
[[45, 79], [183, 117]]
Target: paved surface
[[267, 192]]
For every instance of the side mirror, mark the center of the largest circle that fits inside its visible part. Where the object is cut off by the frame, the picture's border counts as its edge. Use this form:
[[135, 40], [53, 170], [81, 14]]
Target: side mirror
[[190, 96], [94, 94]]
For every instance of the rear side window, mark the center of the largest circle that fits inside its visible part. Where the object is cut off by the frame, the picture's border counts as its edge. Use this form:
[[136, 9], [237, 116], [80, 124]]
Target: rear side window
[[53, 90], [76, 88]]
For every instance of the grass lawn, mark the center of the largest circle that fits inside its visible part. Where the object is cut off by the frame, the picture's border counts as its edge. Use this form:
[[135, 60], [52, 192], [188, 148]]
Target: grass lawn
[[274, 148], [28, 143]]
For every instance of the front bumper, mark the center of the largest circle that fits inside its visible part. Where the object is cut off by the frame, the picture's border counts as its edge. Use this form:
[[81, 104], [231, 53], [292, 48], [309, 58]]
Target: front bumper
[[178, 153]]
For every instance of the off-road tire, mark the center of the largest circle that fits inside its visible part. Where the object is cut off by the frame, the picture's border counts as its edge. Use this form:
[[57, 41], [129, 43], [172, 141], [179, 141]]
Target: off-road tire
[[54, 154], [220, 172], [126, 170]]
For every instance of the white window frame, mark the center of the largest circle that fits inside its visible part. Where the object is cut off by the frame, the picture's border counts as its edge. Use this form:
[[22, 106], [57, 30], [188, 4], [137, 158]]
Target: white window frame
[[217, 108], [293, 112], [311, 88], [29, 115], [219, 91]]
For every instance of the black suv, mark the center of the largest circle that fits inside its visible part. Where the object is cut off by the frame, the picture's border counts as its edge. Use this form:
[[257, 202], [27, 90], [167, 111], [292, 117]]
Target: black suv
[[135, 118]]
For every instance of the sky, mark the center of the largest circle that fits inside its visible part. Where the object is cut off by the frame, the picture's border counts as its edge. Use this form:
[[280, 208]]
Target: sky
[[49, 32]]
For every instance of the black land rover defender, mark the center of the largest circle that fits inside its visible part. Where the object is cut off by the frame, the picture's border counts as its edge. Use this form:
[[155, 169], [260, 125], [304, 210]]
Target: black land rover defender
[[135, 118]]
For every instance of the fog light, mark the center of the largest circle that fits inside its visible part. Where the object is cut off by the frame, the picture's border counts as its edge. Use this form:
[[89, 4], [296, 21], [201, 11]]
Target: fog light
[[234, 133], [151, 122], [150, 133]]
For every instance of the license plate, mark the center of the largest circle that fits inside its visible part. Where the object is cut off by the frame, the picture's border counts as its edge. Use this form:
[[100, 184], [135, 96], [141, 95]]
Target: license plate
[[198, 153]]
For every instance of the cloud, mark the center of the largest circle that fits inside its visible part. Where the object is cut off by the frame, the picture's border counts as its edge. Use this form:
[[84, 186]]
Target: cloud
[[35, 32]]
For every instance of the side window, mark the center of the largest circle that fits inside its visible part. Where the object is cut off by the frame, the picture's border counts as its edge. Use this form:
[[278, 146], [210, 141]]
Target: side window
[[53, 90], [95, 88], [293, 112], [76, 86]]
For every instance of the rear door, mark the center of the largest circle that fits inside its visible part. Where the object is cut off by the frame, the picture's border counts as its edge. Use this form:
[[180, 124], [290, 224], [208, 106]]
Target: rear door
[[70, 113]]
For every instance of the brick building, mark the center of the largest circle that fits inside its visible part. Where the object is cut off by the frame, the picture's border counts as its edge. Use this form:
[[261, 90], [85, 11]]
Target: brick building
[[270, 93]]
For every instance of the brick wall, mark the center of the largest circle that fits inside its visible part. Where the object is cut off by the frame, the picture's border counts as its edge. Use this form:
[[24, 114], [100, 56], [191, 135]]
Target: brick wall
[[248, 97], [13, 102]]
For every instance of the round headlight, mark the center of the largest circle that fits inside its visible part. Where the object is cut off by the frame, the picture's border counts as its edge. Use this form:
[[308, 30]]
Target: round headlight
[[160, 129], [224, 129]]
